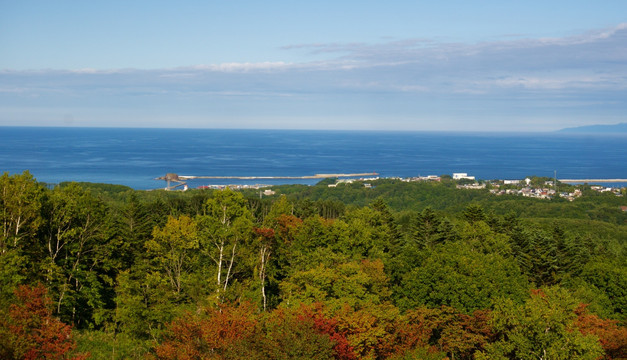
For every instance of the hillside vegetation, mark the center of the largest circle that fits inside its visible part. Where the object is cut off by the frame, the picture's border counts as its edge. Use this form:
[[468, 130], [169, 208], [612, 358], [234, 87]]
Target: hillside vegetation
[[397, 271]]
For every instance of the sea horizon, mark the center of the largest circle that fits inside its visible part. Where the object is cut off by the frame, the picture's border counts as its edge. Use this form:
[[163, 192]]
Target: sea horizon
[[469, 132]]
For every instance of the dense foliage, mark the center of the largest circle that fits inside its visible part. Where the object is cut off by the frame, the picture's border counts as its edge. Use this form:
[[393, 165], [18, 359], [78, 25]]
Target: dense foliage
[[398, 271]]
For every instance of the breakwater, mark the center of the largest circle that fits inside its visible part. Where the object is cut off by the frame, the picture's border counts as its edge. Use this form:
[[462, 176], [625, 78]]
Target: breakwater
[[180, 180], [176, 177], [593, 180]]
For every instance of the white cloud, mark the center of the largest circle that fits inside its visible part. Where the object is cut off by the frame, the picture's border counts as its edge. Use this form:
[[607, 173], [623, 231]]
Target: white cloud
[[410, 78], [244, 67]]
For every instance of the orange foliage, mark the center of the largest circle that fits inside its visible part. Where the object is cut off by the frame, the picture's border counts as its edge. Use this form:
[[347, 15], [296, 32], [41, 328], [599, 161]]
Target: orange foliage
[[31, 332], [376, 332], [537, 292], [266, 233], [444, 329], [369, 331], [288, 225], [235, 332], [207, 337], [613, 337]]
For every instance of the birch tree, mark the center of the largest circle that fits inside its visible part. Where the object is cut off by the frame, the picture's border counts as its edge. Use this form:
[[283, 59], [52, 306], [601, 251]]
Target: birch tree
[[20, 219], [73, 244], [225, 227], [20, 208], [265, 242]]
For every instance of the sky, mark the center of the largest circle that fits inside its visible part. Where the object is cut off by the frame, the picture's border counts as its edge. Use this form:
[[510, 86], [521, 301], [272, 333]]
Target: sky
[[350, 65]]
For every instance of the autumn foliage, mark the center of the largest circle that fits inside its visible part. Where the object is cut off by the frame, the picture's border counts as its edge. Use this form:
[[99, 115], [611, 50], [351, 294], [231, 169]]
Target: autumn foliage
[[308, 331], [238, 331], [212, 334], [30, 331], [613, 337], [341, 347], [444, 330]]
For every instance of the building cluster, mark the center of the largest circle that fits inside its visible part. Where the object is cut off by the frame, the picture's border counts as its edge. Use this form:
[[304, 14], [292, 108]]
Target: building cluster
[[474, 186], [614, 190], [237, 187], [539, 193], [422, 178], [525, 188]]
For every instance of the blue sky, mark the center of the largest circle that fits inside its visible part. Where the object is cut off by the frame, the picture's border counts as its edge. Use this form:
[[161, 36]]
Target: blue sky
[[367, 65]]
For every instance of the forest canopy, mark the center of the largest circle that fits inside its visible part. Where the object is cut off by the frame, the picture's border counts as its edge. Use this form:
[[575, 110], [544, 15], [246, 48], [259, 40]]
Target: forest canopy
[[396, 271]]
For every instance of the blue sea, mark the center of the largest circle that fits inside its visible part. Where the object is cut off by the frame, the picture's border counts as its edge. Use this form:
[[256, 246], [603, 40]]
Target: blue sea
[[134, 157]]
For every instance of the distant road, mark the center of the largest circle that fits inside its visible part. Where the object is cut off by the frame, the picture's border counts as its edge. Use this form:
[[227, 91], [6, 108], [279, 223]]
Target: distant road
[[592, 180]]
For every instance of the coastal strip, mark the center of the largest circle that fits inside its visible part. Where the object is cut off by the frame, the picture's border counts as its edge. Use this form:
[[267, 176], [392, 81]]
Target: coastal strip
[[593, 180], [316, 176]]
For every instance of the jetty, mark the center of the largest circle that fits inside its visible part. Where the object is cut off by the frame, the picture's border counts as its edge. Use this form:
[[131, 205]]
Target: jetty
[[180, 179], [316, 176], [593, 180]]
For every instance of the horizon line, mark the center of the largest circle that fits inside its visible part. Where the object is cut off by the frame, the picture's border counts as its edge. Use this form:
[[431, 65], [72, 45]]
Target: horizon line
[[301, 129]]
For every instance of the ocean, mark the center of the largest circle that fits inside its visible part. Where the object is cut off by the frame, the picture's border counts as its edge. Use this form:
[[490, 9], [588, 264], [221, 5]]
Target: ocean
[[135, 157]]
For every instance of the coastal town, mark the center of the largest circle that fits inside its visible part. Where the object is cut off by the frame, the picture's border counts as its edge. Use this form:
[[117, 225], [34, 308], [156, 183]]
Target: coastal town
[[533, 187]]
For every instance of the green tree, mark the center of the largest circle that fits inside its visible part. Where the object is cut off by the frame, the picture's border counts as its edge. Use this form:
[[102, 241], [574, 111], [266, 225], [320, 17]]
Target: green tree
[[21, 200], [474, 212], [430, 229], [280, 207], [610, 277], [74, 249], [173, 248], [537, 254], [145, 303], [364, 233], [541, 328], [458, 275], [355, 283], [20, 209], [131, 228]]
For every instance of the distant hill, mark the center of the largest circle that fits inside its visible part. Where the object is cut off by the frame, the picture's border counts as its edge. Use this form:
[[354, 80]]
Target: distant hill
[[598, 129]]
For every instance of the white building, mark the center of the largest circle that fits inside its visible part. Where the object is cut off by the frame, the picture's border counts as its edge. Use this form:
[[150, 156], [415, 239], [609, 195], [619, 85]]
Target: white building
[[459, 176], [511, 182]]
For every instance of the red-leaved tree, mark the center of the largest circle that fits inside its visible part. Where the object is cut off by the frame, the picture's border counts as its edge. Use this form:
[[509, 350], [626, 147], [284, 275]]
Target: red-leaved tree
[[329, 326], [29, 331]]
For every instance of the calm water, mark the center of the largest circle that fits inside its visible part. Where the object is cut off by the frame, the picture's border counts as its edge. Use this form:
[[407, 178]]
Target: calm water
[[134, 157]]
